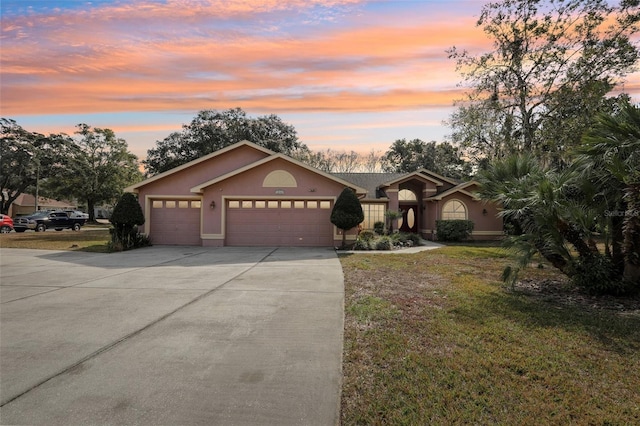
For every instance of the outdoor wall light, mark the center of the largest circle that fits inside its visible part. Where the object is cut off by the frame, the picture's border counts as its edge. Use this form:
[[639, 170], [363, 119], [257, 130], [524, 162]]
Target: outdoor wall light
[[212, 205], [484, 212]]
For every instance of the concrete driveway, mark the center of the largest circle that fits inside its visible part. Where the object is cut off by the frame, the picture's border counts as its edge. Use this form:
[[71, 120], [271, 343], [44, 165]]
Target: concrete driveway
[[171, 336]]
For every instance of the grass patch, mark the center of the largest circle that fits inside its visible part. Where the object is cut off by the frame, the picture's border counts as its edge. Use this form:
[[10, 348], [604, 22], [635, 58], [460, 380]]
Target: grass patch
[[91, 240], [435, 338]]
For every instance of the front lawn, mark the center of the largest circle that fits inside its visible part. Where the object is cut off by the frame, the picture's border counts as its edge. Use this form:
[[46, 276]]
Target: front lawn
[[87, 239], [435, 338]]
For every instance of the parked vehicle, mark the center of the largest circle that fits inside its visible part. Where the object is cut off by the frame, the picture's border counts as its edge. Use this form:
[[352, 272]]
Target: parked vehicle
[[41, 221], [6, 224], [77, 214]]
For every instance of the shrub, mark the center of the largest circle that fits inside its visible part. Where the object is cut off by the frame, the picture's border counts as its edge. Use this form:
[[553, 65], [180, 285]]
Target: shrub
[[362, 244], [406, 238], [366, 236], [383, 243], [126, 217], [453, 230], [378, 228], [598, 275]]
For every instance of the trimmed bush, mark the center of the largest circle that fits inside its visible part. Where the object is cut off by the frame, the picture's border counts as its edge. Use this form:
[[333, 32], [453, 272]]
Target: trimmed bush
[[347, 212], [453, 230], [126, 217]]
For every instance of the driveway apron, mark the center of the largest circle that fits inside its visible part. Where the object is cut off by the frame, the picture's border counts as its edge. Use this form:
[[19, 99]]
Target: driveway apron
[[171, 335]]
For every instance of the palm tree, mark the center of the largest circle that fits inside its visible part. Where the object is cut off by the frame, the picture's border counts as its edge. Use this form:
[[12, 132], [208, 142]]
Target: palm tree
[[610, 161], [561, 214]]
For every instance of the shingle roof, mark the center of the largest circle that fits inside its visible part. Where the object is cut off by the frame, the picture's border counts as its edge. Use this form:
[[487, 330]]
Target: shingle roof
[[369, 181]]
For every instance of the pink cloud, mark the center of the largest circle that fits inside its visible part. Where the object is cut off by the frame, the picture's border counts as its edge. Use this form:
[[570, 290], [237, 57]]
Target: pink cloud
[[184, 55]]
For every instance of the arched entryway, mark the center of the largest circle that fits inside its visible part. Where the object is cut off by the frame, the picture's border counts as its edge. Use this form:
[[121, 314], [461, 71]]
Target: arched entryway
[[409, 208]]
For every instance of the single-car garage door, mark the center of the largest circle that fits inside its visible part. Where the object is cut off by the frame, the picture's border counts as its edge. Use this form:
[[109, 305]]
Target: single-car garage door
[[175, 222], [278, 223]]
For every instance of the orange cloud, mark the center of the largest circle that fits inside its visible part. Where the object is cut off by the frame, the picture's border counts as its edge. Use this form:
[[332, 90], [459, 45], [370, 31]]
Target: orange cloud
[[190, 55]]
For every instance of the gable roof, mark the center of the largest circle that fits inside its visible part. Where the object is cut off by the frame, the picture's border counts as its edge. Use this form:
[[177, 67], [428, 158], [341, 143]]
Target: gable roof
[[273, 157], [369, 181], [417, 174], [427, 172], [458, 188], [374, 182], [134, 187], [29, 200]]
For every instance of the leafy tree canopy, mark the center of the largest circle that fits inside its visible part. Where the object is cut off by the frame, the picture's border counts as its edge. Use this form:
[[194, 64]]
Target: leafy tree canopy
[[27, 160], [213, 130], [98, 166], [546, 78], [442, 158]]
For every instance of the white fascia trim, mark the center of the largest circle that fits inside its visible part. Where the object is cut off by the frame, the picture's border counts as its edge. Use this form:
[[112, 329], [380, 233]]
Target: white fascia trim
[[416, 174]]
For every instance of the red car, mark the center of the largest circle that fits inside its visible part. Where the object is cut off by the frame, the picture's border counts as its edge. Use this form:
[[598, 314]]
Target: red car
[[6, 224]]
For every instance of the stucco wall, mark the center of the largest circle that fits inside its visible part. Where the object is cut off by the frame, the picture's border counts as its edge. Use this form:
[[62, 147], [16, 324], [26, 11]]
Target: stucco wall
[[486, 226], [181, 182], [249, 185]]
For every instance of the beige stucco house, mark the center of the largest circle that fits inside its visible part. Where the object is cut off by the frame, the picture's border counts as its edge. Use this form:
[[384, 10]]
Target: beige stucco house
[[246, 195]]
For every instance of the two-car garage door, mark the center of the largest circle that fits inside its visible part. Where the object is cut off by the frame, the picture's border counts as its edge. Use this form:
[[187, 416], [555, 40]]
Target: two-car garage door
[[279, 223], [249, 222]]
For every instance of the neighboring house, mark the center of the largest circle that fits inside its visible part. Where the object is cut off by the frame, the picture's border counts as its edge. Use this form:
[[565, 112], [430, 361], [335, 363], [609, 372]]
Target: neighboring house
[[26, 204], [246, 195]]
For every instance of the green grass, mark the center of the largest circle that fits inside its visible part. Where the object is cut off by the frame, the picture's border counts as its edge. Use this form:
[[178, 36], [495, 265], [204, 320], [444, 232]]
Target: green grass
[[91, 240], [434, 338]]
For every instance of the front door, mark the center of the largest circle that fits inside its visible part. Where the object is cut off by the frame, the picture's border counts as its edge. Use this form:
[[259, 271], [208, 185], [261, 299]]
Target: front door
[[409, 218]]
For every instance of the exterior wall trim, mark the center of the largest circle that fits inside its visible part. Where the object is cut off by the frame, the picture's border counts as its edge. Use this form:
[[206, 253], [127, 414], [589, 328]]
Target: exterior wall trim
[[212, 236]]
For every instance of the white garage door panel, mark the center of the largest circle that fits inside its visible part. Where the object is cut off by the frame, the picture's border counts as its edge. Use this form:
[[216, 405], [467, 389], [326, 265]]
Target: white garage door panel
[[175, 226], [279, 227]]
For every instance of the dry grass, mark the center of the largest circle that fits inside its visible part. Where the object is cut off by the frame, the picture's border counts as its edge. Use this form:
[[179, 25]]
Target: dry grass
[[87, 239], [434, 338]]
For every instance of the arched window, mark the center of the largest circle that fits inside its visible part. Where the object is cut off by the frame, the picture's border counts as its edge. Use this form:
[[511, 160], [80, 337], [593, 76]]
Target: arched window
[[407, 195], [454, 210], [279, 179]]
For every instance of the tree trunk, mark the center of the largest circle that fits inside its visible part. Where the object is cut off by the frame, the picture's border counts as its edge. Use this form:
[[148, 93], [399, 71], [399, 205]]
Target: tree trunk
[[91, 210], [631, 233], [555, 259]]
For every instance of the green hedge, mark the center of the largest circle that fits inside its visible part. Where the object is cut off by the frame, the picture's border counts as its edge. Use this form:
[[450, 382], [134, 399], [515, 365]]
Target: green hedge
[[453, 230]]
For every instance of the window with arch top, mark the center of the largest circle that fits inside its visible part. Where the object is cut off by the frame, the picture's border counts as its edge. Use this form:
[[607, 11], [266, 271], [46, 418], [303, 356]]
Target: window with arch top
[[454, 210], [407, 195]]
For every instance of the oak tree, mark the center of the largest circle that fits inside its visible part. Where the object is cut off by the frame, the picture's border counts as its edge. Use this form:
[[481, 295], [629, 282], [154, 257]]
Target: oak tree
[[545, 79], [211, 130]]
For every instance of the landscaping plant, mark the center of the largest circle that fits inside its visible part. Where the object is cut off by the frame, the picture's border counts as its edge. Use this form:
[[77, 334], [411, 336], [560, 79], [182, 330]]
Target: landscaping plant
[[347, 213], [126, 217]]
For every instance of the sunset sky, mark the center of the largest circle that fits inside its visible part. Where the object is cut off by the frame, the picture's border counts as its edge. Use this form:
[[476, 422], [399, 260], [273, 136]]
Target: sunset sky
[[347, 74]]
